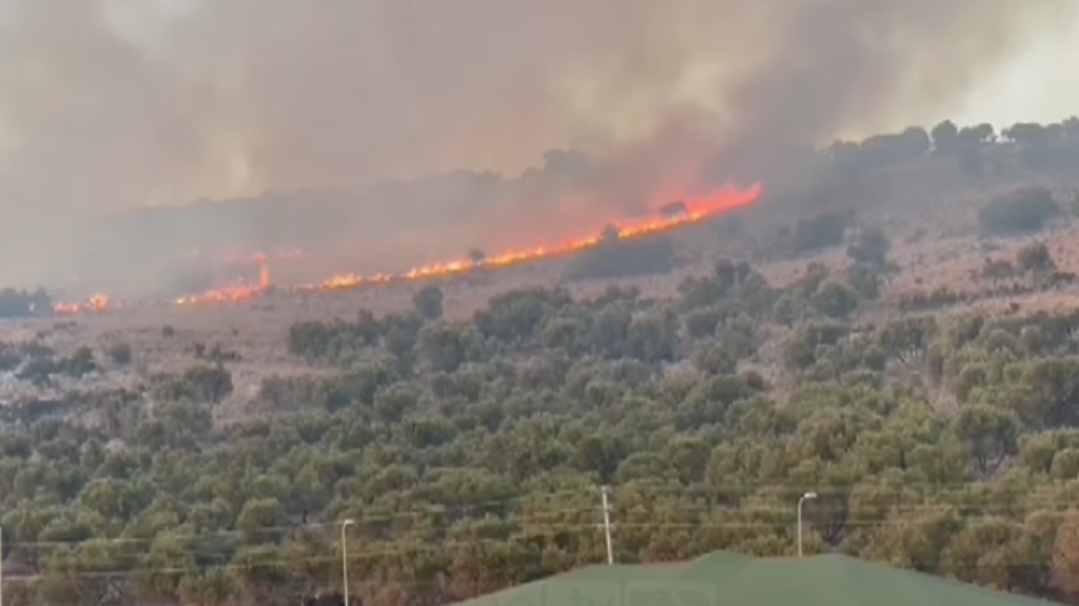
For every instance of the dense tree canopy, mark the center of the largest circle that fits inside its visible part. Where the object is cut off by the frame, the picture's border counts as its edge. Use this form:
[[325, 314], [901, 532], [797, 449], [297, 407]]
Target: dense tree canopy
[[470, 454]]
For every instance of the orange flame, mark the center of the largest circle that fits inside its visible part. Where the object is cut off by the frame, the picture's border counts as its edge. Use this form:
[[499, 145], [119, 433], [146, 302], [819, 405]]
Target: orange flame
[[97, 302], [724, 200]]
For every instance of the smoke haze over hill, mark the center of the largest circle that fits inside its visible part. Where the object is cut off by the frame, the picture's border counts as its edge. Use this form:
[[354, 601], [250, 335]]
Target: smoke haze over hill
[[113, 104]]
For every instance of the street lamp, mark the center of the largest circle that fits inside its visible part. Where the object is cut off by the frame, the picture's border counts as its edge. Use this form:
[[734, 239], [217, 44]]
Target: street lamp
[[344, 558], [805, 497]]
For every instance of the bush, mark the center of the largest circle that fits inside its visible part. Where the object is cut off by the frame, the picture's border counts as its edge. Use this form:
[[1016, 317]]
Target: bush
[[428, 302], [1022, 211], [1035, 257], [199, 383], [835, 300]]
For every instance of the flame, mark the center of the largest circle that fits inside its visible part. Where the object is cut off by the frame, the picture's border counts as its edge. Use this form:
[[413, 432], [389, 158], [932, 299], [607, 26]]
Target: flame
[[724, 200], [96, 302]]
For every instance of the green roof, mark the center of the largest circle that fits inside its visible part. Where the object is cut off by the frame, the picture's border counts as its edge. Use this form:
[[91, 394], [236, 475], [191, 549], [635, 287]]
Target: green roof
[[724, 579]]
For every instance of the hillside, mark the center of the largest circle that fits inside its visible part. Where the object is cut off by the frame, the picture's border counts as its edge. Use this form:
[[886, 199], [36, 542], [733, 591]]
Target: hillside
[[914, 362]]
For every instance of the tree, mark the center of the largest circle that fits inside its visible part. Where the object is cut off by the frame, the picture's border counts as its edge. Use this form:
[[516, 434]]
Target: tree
[[200, 383], [1052, 393], [1022, 211], [1035, 258], [469, 453], [1066, 553], [447, 347], [89, 574], [835, 299], [945, 137], [261, 521], [428, 302], [991, 435]]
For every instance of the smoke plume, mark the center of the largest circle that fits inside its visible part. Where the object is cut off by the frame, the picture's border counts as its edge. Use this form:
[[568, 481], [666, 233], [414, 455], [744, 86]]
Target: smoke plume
[[114, 104]]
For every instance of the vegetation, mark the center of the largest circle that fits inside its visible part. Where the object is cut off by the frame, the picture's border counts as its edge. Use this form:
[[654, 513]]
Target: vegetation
[[24, 304], [1035, 258], [470, 453], [870, 248], [1024, 210], [428, 302]]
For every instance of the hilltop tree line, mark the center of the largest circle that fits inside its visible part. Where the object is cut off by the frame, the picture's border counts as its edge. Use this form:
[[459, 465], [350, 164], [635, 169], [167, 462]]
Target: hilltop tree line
[[470, 453], [1040, 148], [25, 304]]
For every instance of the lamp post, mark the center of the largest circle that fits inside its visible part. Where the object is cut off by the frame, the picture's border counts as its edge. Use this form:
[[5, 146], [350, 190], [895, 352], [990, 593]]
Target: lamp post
[[805, 497], [344, 558]]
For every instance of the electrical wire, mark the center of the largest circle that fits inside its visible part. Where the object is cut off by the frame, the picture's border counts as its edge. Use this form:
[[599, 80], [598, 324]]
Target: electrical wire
[[442, 546], [1050, 501]]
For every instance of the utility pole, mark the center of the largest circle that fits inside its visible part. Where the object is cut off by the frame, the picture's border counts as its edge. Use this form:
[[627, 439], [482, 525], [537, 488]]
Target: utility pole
[[344, 559], [808, 495], [1, 567], [606, 525]]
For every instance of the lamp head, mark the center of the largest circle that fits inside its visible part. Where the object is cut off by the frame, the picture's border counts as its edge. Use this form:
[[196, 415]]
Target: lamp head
[[809, 495]]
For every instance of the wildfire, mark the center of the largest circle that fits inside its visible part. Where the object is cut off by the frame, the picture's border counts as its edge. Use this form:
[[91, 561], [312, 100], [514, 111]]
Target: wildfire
[[724, 200], [95, 303]]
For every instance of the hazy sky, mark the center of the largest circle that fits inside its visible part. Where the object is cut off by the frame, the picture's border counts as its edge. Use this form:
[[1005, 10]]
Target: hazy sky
[[1038, 84], [109, 104]]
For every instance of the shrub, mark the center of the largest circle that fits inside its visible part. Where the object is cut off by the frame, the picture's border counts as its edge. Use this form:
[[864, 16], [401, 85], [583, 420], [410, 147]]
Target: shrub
[[1035, 257], [428, 302], [835, 299], [1022, 211]]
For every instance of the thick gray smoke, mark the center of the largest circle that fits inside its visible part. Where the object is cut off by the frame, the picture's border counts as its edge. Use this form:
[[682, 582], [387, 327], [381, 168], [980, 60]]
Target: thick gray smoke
[[112, 104]]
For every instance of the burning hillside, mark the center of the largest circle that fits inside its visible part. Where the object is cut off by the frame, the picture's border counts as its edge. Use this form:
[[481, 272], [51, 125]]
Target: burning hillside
[[669, 217]]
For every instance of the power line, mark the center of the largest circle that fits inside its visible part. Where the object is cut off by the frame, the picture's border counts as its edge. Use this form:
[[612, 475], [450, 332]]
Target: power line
[[531, 518], [284, 561]]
